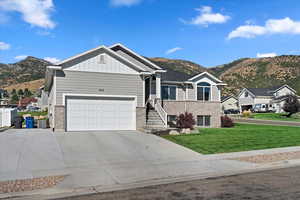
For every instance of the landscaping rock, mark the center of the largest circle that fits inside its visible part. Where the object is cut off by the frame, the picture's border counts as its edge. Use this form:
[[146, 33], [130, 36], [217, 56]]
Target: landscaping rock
[[174, 132]]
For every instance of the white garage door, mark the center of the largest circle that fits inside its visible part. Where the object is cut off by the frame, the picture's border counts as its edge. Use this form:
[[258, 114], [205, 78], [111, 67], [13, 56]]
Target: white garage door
[[89, 114]]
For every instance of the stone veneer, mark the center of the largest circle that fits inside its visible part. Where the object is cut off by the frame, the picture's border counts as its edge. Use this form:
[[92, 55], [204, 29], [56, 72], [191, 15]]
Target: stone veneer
[[59, 118], [196, 108], [140, 118]]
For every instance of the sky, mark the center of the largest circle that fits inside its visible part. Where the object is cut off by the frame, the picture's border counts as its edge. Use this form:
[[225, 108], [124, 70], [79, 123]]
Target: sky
[[208, 32]]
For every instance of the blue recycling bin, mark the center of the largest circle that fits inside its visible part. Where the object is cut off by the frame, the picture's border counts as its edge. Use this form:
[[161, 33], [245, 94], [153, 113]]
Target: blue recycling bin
[[29, 121]]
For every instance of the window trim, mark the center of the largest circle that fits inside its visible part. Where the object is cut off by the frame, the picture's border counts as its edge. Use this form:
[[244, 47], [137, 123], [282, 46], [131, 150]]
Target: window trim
[[204, 116], [210, 91], [176, 92]]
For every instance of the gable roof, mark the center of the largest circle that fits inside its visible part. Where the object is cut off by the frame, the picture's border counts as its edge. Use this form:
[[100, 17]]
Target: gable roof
[[172, 75], [268, 92], [225, 98], [205, 73], [137, 56], [108, 50]]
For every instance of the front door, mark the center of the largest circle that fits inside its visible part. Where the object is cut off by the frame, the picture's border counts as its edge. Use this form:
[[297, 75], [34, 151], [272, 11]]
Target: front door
[[147, 89]]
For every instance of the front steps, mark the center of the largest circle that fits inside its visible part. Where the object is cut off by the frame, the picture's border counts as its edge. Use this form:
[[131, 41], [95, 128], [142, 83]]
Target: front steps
[[153, 122]]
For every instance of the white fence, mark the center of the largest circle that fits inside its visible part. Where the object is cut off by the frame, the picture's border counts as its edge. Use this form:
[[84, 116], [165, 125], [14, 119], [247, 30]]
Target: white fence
[[6, 116]]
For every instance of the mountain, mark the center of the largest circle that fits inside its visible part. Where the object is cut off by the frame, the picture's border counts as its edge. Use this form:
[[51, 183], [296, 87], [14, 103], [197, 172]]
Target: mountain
[[184, 66], [260, 72], [29, 69], [245, 72]]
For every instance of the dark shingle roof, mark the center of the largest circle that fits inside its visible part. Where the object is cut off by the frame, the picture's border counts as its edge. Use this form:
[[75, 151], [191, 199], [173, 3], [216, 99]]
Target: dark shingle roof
[[172, 75], [264, 91], [224, 98]]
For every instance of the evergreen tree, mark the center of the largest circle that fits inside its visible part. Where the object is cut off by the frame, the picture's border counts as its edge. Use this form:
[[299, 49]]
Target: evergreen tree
[[27, 93], [13, 92], [14, 99], [20, 92]]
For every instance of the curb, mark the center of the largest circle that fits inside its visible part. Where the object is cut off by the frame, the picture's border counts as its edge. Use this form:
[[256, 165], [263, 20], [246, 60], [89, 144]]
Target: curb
[[57, 194]]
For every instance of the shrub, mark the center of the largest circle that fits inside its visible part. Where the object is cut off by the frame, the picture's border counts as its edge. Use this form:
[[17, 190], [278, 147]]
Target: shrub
[[226, 122], [291, 105], [246, 113], [185, 120]]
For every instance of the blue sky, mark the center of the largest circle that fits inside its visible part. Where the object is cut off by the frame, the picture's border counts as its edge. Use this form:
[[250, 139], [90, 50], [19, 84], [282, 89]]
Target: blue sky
[[208, 32]]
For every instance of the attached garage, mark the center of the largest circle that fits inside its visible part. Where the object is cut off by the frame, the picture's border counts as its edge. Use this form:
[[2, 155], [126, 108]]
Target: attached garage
[[92, 113]]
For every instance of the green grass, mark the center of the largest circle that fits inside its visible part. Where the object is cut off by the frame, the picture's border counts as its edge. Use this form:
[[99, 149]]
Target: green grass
[[36, 113], [276, 116], [242, 137]]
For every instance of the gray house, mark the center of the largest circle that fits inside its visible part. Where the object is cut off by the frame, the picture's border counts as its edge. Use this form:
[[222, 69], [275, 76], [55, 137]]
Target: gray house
[[266, 98], [110, 88]]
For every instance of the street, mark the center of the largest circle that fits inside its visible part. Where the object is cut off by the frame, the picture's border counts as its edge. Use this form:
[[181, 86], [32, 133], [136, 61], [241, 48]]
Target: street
[[269, 185]]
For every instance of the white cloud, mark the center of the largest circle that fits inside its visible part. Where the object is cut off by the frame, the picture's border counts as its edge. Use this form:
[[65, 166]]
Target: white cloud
[[124, 2], [52, 60], [34, 12], [4, 46], [272, 26], [21, 57], [266, 55], [173, 50], [207, 17]]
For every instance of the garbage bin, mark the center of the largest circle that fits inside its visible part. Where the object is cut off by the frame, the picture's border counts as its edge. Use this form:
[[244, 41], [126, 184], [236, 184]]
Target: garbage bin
[[18, 121], [29, 122], [42, 123]]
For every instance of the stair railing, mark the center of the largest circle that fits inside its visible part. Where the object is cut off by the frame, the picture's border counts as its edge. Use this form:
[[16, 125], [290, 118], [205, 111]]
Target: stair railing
[[161, 112]]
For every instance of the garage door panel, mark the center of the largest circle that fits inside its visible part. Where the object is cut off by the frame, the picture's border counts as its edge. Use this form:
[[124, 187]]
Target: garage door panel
[[100, 114]]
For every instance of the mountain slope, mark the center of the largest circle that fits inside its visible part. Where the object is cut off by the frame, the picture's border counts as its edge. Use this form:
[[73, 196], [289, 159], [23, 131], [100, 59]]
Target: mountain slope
[[184, 66], [245, 72], [262, 72], [26, 70]]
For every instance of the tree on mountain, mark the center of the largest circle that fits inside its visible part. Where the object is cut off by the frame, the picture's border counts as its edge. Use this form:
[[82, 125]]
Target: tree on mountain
[[14, 91], [20, 92], [5, 94], [14, 99], [27, 93], [291, 105]]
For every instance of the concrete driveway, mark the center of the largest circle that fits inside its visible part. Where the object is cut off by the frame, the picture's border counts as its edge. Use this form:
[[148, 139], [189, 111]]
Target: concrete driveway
[[99, 158]]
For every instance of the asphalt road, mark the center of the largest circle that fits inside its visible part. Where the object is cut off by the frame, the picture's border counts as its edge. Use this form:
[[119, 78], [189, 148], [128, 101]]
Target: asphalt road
[[270, 185]]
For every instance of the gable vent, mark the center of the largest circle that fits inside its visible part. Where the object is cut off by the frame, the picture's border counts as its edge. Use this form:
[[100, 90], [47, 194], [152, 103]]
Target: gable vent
[[102, 59]]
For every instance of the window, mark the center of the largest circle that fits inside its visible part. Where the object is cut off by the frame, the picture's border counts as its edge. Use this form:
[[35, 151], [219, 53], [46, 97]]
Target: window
[[168, 92], [172, 120], [246, 94], [203, 91], [203, 120]]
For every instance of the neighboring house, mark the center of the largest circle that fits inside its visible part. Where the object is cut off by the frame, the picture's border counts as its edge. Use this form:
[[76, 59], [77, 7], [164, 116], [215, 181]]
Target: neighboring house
[[3, 100], [267, 97], [42, 100], [229, 102], [109, 88], [26, 101]]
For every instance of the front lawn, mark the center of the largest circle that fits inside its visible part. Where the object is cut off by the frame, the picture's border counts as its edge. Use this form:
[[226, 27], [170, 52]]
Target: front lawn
[[243, 137], [276, 116]]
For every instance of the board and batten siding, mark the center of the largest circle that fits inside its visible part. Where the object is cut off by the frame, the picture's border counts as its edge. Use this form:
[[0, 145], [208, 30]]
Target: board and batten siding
[[76, 82], [109, 65]]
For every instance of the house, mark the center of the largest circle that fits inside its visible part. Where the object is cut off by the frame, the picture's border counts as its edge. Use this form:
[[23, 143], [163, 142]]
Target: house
[[110, 88], [229, 102], [3, 98], [24, 102], [42, 100], [268, 98]]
